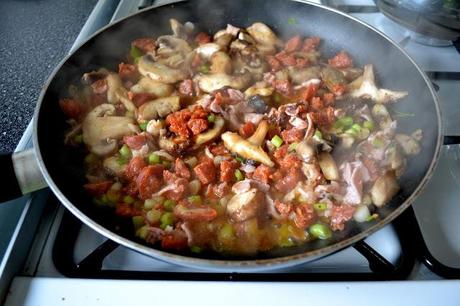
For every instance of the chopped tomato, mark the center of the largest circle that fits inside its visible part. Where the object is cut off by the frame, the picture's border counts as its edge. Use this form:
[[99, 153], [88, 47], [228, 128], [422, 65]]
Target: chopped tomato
[[144, 44], [202, 38], [100, 86], [140, 98], [273, 62], [126, 210], [181, 169], [311, 43], [71, 108], [284, 209], [227, 170], [177, 240], [186, 88], [262, 173], [197, 125], [284, 87], [206, 171], [341, 60], [135, 142], [292, 135], [98, 189], [341, 214], [127, 71], [136, 164], [247, 129], [148, 181], [286, 59], [304, 215], [293, 44]]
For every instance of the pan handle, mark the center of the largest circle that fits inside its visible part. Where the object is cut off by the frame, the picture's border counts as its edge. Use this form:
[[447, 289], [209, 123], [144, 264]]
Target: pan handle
[[451, 140], [20, 175]]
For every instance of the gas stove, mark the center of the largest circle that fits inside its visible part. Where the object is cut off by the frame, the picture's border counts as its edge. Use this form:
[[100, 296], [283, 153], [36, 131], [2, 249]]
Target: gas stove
[[68, 263]]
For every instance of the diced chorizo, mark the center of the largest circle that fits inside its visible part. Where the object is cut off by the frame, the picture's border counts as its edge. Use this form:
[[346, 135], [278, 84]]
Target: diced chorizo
[[316, 103], [328, 99], [174, 240], [98, 189], [218, 149], [197, 125], [71, 108], [148, 182], [286, 59], [341, 214], [308, 92], [341, 60], [181, 169], [293, 44], [275, 64], [284, 209], [126, 210], [100, 86], [289, 181], [292, 135], [202, 38], [195, 212], [178, 123], [140, 98], [284, 87], [304, 215], [262, 173], [127, 71], [135, 142], [227, 171], [206, 172], [144, 44], [220, 190], [186, 88], [310, 44], [136, 164], [247, 129]]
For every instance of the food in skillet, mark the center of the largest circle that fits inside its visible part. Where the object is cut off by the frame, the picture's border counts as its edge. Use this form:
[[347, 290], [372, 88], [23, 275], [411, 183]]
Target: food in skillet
[[237, 143]]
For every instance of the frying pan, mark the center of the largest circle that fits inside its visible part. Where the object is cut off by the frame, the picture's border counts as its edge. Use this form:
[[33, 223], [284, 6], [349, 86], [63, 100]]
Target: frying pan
[[62, 166]]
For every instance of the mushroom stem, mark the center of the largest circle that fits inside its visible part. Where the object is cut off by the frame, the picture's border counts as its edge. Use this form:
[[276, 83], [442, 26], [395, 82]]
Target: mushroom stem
[[259, 135], [237, 144]]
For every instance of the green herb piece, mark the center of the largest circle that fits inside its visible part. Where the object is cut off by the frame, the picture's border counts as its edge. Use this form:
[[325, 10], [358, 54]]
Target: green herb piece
[[195, 199], [277, 141], [153, 216], [239, 175], [135, 52], [372, 217], [167, 219], [203, 68], [293, 146], [195, 249], [128, 199], [143, 126], [320, 206], [240, 159], [154, 159], [318, 134], [368, 125], [212, 118], [344, 122], [138, 222], [121, 161], [169, 205], [125, 151], [292, 21], [320, 231]]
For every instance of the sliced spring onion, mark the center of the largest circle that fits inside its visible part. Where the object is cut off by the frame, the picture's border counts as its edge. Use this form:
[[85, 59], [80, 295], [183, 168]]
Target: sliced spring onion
[[125, 151], [142, 232], [122, 161], [195, 249], [320, 231], [239, 175], [195, 199], [293, 146], [153, 216], [128, 199], [150, 203], [154, 159], [169, 204], [343, 122], [240, 159], [320, 206], [166, 219], [203, 68], [143, 125], [166, 163], [138, 222], [318, 134], [372, 217], [212, 118], [402, 114], [135, 52], [368, 125], [277, 141], [277, 97]]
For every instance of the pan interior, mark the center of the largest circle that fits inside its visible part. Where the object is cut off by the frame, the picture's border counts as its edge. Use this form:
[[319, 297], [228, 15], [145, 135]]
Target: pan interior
[[393, 70]]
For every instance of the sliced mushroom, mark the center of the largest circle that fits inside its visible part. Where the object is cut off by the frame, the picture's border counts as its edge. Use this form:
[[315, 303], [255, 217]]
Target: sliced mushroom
[[265, 38], [237, 144], [207, 50], [384, 188], [112, 165], [156, 88], [170, 45], [243, 206], [369, 90], [221, 63], [101, 133], [223, 39], [160, 72], [122, 96], [332, 77], [306, 151], [258, 137], [212, 133], [158, 108], [328, 166], [352, 73], [409, 145], [302, 75], [211, 82], [178, 29], [113, 84]]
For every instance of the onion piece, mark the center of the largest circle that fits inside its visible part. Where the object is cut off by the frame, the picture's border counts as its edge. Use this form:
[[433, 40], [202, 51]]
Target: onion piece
[[361, 213]]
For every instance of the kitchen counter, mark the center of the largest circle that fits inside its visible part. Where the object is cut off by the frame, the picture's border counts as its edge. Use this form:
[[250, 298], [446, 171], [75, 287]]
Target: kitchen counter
[[35, 36]]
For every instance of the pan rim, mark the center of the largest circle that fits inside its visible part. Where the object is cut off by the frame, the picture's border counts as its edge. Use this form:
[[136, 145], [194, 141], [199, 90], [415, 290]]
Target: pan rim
[[226, 264]]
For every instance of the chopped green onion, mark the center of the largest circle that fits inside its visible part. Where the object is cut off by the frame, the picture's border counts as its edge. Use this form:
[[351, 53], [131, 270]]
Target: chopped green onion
[[203, 68], [128, 199], [142, 232], [169, 205], [351, 132], [90, 158], [372, 217], [78, 138], [166, 219], [277, 97], [226, 232], [135, 52], [320, 231], [292, 21], [356, 127], [277, 141], [212, 118], [143, 125], [402, 114], [195, 199], [195, 249], [368, 125], [125, 151], [320, 206], [153, 216], [364, 133], [154, 159], [138, 222], [378, 143], [293, 146], [239, 175], [343, 122], [150, 203], [121, 161], [318, 134], [240, 159]]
